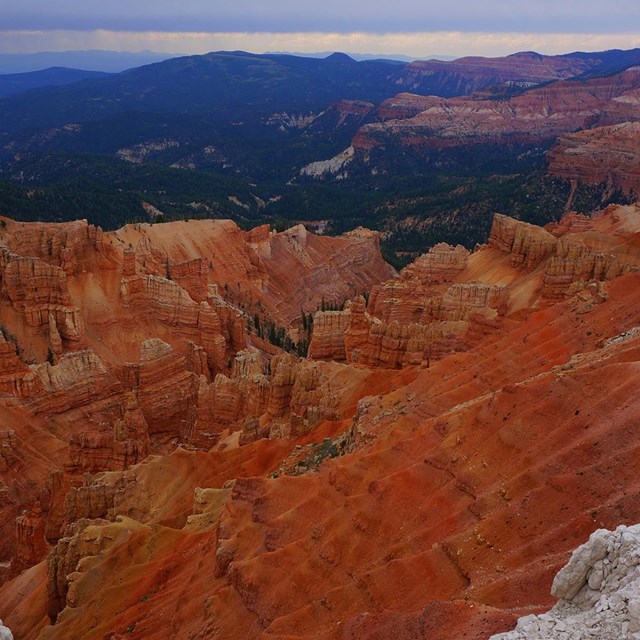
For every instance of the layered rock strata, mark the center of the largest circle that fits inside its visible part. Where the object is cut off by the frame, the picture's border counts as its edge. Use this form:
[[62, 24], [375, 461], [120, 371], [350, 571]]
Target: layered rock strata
[[603, 155], [526, 244], [39, 291], [424, 502], [538, 115]]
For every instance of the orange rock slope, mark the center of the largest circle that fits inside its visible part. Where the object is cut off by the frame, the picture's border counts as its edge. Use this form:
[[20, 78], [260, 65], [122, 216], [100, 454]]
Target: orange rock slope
[[117, 345], [424, 474]]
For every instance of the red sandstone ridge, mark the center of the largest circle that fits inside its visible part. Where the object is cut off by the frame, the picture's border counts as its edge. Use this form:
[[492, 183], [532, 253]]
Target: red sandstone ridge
[[605, 155], [541, 114], [448, 299], [475, 73], [311, 498], [284, 272]]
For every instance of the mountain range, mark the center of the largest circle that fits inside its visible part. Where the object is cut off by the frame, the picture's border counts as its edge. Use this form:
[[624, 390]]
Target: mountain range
[[92, 59], [281, 137]]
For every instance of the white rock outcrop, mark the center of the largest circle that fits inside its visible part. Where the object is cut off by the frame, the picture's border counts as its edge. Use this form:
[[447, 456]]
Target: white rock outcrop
[[598, 592], [5, 632], [333, 166]]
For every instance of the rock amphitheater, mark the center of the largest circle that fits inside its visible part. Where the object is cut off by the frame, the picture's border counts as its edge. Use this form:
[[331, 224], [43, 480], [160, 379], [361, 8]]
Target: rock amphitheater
[[455, 431]]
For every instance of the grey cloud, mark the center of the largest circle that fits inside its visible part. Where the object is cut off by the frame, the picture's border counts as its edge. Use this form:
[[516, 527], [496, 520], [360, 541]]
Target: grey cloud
[[543, 16]]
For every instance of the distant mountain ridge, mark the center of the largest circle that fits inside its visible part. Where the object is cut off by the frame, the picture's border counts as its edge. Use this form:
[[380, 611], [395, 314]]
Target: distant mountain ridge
[[93, 59], [14, 83], [224, 85]]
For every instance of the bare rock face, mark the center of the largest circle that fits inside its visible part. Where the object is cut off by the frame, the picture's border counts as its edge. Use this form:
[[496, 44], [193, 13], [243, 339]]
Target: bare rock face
[[571, 222], [166, 393], [229, 401], [427, 124], [68, 245], [72, 556], [443, 320], [197, 360], [279, 272], [12, 370], [31, 546], [92, 499], [577, 263], [8, 448], [470, 73], [441, 264], [606, 155], [526, 244], [191, 275], [79, 379], [598, 593], [328, 338], [390, 345], [409, 298], [39, 291], [583, 256], [115, 446], [463, 299], [288, 400], [212, 324], [425, 502]]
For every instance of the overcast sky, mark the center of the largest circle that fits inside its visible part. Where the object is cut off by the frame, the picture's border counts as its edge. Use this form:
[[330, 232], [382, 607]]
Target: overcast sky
[[413, 27]]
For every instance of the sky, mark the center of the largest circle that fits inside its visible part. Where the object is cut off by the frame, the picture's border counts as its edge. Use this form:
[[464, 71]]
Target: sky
[[411, 27]]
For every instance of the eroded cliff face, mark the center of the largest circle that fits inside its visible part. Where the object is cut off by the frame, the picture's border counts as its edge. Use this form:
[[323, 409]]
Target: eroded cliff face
[[115, 346], [602, 156], [478, 425], [540, 114], [448, 299], [430, 129], [283, 272]]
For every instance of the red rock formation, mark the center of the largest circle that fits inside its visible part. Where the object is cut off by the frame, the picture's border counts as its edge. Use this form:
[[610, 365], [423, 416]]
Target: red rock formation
[[61, 290], [197, 360], [39, 291], [79, 379], [604, 155], [11, 368], [192, 275], [89, 539], [348, 111], [366, 530], [114, 446], [582, 256], [199, 323], [525, 243], [8, 446], [539, 114], [284, 272], [441, 498], [166, 392], [327, 341], [71, 245], [468, 74], [571, 222], [31, 546], [411, 318]]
